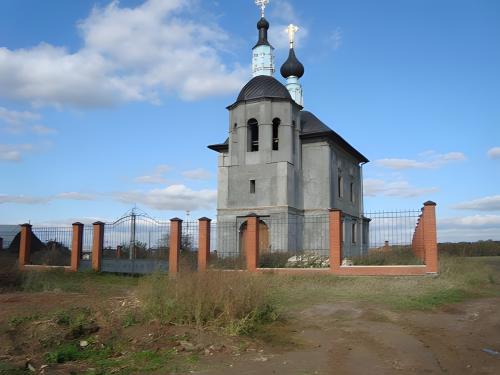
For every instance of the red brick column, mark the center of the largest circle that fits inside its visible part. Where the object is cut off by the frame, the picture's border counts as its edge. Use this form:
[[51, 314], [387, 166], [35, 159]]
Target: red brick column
[[203, 243], [417, 243], [175, 245], [24, 245], [430, 237], [76, 246], [252, 243], [97, 245], [335, 239]]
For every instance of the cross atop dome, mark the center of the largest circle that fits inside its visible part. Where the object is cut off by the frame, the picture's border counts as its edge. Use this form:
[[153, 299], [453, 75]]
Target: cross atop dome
[[292, 29], [262, 4]]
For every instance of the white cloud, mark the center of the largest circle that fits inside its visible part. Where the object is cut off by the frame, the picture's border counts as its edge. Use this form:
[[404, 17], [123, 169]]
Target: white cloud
[[494, 153], [75, 196], [128, 54], [430, 160], [197, 174], [491, 203], [17, 117], [377, 187], [283, 14], [23, 199], [155, 177], [14, 152], [174, 197], [27, 199], [43, 130], [469, 228]]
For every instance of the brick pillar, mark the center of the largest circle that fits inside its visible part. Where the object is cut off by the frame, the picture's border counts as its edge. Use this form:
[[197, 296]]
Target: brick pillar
[[203, 243], [97, 245], [119, 251], [417, 243], [1, 243], [175, 246], [252, 243], [76, 246], [335, 239], [24, 245], [430, 237]]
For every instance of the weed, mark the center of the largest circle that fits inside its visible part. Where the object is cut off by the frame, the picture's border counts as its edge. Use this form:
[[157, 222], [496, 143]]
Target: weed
[[18, 320], [235, 301], [130, 319]]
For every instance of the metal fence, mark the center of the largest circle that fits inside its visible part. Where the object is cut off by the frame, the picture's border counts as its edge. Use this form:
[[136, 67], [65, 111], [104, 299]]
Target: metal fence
[[391, 228], [226, 246], [51, 246], [136, 237], [8, 233]]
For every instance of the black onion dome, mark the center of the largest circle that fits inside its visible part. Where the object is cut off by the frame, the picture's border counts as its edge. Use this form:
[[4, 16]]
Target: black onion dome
[[263, 26], [263, 87], [292, 66]]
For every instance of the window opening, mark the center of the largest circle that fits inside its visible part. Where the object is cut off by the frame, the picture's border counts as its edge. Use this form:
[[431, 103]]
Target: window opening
[[253, 135]]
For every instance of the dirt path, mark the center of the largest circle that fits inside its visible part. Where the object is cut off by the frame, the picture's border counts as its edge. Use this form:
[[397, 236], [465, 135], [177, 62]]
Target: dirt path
[[347, 338]]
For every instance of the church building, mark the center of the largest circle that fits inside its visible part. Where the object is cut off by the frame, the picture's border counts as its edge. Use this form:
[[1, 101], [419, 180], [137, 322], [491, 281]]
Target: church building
[[283, 164]]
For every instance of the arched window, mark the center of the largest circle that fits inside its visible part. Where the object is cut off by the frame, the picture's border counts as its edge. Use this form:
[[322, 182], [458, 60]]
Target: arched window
[[276, 139], [253, 135], [340, 185]]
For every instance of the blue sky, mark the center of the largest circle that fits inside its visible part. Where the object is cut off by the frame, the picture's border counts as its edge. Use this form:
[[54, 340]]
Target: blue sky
[[104, 105]]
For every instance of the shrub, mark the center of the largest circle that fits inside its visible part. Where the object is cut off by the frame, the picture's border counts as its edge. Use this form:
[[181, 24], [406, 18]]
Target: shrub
[[235, 301]]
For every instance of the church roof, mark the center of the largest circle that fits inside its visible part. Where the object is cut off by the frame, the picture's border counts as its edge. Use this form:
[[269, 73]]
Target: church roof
[[263, 87], [220, 147], [313, 127]]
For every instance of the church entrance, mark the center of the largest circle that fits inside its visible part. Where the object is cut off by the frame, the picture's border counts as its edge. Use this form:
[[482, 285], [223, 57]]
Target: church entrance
[[263, 238]]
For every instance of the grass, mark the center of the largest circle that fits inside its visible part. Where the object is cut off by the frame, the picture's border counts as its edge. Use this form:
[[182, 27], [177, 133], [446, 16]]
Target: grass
[[235, 301], [61, 281], [392, 256], [459, 279]]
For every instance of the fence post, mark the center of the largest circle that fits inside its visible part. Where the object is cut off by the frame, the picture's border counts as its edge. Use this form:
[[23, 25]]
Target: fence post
[[252, 243], [203, 243], [430, 237], [24, 245], [335, 239], [97, 245], [175, 246], [76, 246]]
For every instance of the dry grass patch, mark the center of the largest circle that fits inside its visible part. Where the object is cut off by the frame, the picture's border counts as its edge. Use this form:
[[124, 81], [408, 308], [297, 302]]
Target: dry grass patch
[[235, 301]]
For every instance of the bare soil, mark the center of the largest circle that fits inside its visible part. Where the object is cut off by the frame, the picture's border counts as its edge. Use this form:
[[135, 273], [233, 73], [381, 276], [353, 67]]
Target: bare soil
[[339, 338], [350, 338]]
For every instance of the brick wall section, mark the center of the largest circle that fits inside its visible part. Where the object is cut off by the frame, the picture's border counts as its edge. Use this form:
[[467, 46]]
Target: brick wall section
[[97, 245], [335, 227], [252, 243], [430, 237], [203, 243], [175, 246], [76, 246], [417, 243], [24, 246]]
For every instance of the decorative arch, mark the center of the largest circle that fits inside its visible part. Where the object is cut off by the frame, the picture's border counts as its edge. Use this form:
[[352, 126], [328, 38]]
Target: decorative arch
[[253, 135], [276, 128], [263, 237]]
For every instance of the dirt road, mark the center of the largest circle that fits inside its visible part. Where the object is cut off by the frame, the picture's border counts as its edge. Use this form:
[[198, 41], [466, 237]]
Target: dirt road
[[347, 338]]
